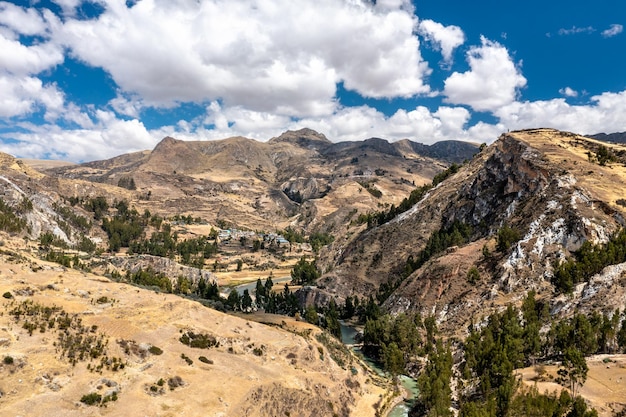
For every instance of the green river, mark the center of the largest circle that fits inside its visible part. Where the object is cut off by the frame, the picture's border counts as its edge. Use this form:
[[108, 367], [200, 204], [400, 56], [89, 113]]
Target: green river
[[401, 410], [348, 334]]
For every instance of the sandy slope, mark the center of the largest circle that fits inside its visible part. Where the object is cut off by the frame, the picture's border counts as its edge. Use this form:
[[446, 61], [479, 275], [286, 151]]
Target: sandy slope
[[286, 372]]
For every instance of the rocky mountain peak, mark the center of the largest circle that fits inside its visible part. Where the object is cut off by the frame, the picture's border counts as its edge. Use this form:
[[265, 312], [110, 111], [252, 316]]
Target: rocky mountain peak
[[307, 138]]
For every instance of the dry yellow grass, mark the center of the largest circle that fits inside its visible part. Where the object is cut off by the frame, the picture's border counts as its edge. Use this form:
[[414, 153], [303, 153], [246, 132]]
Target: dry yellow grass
[[605, 388], [569, 151], [256, 370]]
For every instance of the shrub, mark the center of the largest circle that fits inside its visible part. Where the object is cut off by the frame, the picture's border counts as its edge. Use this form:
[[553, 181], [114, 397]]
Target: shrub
[[155, 350], [200, 341], [91, 399], [8, 360], [186, 359], [507, 236], [206, 360], [473, 276], [175, 382], [7, 295]]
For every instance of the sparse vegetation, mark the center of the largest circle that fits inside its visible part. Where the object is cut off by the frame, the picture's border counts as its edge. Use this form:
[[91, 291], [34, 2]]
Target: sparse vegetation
[[204, 359], [456, 234], [381, 217], [9, 221], [473, 276], [589, 260], [507, 236], [91, 399], [442, 176], [155, 350], [198, 340], [602, 155], [75, 341], [371, 188]]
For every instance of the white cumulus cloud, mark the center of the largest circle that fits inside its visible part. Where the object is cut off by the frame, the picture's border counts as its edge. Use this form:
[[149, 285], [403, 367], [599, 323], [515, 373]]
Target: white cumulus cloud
[[492, 81], [280, 56], [568, 92], [108, 138], [22, 20], [602, 114], [16, 58], [445, 38], [22, 95]]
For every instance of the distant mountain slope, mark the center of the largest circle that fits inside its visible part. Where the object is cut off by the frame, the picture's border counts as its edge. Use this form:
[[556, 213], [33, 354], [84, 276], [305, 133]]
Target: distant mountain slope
[[298, 178], [618, 137]]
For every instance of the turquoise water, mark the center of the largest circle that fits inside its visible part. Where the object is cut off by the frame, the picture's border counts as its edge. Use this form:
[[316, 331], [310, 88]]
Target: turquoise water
[[251, 287], [348, 334]]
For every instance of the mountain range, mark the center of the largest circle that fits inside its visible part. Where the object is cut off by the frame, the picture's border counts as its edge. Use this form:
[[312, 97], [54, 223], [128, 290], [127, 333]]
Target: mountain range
[[453, 231]]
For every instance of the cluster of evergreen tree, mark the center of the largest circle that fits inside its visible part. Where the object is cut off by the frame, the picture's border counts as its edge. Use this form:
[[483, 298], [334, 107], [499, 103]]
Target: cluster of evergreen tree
[[457, 233], [238, 302], [319, 239], [304, 272], [602, 155], [292, 235], [529, 402], [76, 220], [590, 334], [163, 243], [285, 302], [393, 340], [127, 182], [124, 227], [150, 278], [511, 340], [506, 237], [207, 290], [327, 318], [9, 221], [589, 260], [97, 205], [491, 356], [443, 175], [434, 383]]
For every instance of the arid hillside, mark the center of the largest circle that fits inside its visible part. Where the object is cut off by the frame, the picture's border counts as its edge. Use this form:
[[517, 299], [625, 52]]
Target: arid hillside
[[299, 178], [553, 190], [77, 344], [90, 345]]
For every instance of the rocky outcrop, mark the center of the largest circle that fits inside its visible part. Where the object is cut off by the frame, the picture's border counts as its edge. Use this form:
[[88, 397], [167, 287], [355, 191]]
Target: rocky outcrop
[[166, 266], [535, 182]]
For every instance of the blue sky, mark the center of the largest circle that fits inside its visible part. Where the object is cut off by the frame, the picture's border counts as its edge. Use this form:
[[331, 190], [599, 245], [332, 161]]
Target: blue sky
[[85, 80]]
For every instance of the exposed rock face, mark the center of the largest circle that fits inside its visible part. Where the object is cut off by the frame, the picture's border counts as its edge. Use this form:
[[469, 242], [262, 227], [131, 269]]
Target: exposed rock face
[[162, 265], [539, 182]]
